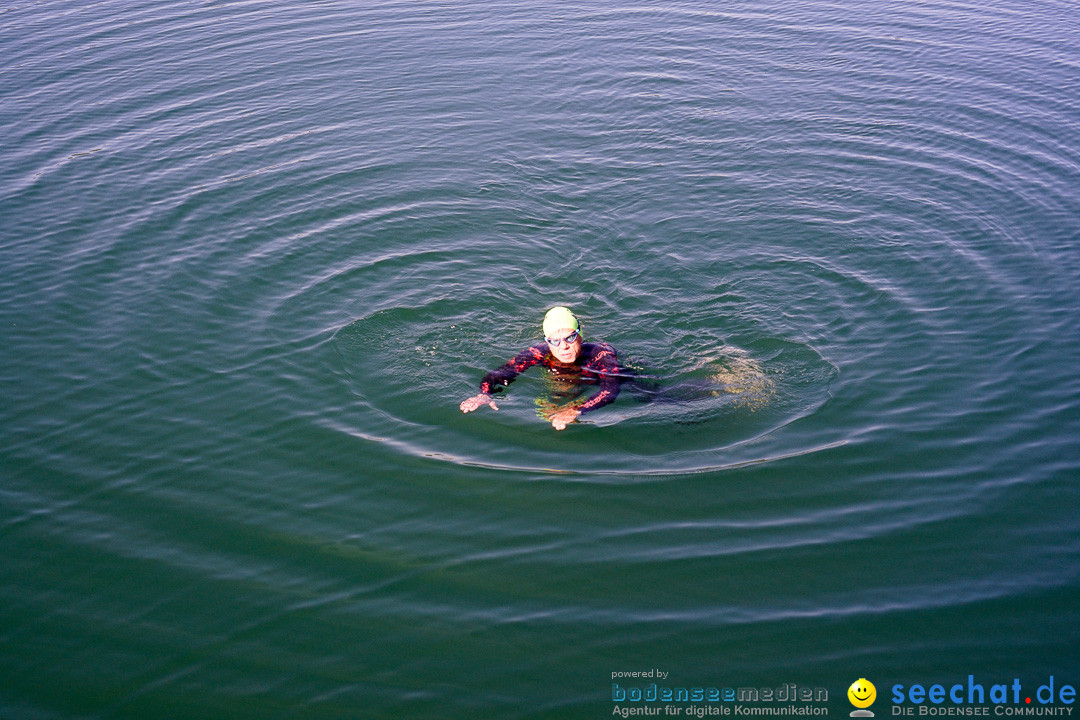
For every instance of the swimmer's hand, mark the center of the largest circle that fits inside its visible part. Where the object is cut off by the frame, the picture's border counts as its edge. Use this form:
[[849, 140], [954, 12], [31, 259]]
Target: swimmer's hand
[[564, 417], [476, 401]]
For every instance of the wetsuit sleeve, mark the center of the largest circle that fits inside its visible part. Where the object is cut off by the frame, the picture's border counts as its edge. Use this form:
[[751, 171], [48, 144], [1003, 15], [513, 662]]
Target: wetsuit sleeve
[[495, 380], [606, 366]]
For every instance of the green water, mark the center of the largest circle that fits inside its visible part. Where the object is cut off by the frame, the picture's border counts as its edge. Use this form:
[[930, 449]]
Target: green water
[[254, 255]]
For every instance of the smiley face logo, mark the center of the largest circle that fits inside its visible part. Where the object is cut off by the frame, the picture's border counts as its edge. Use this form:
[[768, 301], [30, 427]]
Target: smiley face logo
[[862, 693]]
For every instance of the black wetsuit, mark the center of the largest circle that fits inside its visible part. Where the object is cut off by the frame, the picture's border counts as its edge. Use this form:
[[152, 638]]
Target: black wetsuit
[[596, 363]]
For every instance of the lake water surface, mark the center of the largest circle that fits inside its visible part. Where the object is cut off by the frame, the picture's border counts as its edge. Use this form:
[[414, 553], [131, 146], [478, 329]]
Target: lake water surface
[[253, 254]]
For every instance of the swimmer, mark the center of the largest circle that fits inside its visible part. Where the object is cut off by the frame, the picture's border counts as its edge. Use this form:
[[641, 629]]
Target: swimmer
[[565, 353]]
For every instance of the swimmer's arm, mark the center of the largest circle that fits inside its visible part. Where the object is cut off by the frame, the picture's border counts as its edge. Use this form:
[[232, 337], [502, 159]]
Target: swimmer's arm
[[496, 379], [608, 370], [606, 396]]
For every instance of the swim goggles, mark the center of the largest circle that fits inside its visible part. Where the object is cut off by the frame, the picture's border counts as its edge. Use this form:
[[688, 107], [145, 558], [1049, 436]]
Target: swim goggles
[[568, 340]]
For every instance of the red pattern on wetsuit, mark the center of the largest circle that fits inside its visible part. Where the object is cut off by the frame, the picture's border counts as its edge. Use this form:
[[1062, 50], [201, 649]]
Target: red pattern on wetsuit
[[597, 363]]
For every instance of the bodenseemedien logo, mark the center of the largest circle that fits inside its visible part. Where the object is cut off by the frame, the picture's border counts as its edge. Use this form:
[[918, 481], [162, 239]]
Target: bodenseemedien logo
[[712, 700], [862, 694]]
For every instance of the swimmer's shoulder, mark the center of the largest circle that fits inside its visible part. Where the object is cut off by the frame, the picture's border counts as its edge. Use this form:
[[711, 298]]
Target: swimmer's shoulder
[[536, 353], [599, 351]]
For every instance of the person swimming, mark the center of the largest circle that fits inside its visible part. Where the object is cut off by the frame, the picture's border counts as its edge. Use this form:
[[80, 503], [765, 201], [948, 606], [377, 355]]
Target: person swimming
[[564, 353], [733, 376]]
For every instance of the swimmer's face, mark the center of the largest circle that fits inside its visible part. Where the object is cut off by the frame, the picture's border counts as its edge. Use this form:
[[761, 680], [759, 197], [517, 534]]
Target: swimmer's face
[[565, 352]]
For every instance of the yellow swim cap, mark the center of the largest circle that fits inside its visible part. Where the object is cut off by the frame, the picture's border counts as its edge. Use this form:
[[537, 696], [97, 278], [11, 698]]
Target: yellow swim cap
[[559, 318]]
